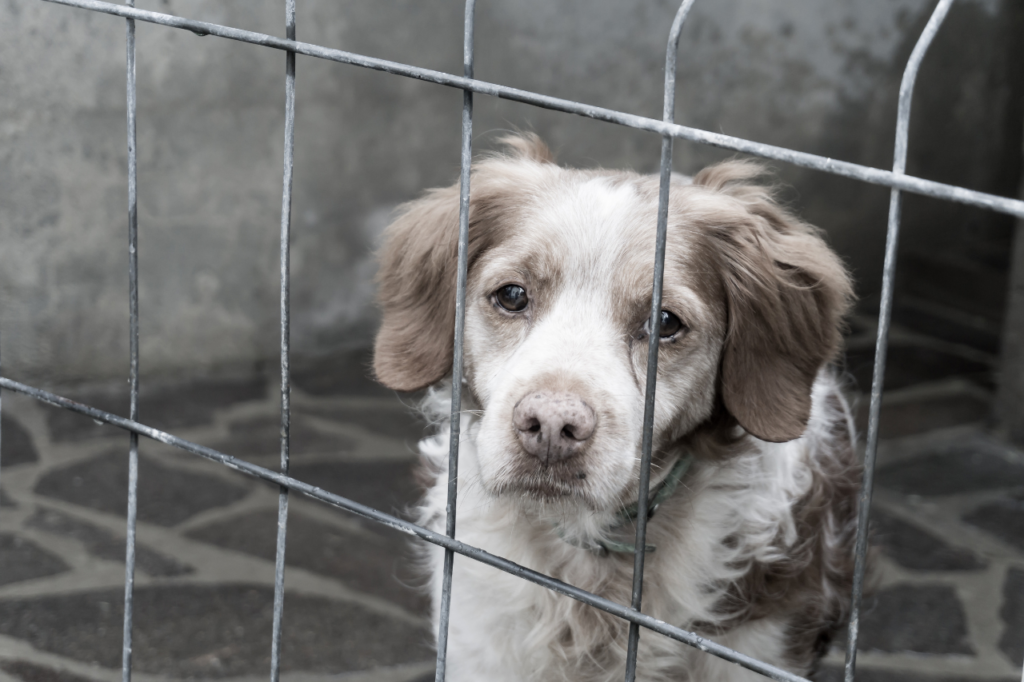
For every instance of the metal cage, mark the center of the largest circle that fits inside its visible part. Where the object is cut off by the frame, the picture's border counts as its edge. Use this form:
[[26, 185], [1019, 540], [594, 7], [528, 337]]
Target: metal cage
[[896, 179]]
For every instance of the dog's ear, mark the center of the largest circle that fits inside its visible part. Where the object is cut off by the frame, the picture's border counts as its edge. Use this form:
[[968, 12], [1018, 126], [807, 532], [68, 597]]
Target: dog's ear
[[418, 263], [786, 294], [416, 291]]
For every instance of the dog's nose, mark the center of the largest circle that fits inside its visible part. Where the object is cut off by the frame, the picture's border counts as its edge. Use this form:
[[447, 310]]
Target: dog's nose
[[553, 426]]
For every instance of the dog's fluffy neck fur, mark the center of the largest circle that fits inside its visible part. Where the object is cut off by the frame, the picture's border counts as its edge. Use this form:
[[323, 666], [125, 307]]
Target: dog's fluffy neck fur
[[732, 517]]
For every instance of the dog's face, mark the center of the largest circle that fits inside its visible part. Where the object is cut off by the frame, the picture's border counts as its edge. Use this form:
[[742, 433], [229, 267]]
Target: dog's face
[[556, 338], [558, 296]]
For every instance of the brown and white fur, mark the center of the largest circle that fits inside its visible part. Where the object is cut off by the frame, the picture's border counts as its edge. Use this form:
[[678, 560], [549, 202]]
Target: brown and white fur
[[754, 549]]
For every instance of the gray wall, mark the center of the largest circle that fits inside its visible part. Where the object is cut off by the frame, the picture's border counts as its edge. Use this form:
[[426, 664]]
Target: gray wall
[[1009, 404], [817, 75]]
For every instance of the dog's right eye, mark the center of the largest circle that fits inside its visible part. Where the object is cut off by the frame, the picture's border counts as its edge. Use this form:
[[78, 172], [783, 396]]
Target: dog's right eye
[[512, 298]]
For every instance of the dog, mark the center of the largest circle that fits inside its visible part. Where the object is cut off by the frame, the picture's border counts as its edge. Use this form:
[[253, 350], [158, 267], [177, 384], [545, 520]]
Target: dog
[[753, 477]]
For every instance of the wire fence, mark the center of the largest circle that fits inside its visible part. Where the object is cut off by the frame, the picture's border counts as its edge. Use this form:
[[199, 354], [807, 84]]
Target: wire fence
[[896, 179]]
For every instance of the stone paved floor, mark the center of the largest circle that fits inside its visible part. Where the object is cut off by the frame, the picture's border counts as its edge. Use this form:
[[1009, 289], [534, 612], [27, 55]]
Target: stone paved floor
[[948, 520]]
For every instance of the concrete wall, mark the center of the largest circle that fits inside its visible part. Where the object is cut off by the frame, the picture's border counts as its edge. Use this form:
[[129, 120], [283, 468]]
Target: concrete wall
[[1009, 404], [817, 75]]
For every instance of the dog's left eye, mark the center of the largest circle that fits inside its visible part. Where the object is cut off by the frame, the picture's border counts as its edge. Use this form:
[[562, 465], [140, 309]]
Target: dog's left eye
[[512, 298]]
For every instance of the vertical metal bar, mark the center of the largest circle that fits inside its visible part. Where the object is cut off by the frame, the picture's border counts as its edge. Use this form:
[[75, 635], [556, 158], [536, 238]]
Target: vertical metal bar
[[884, 319], [133, 313], [460, 321], [1, 430], [653, 341], [286, 217]]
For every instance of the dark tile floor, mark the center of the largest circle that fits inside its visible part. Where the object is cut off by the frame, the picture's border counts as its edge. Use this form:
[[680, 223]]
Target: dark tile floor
[[948, 526]]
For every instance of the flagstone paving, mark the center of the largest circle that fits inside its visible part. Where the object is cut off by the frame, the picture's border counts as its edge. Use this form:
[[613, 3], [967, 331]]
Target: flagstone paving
[[948, 521]]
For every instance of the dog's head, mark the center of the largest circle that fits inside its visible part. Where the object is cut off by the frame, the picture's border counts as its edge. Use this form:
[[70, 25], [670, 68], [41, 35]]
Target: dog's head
[[561, 265]]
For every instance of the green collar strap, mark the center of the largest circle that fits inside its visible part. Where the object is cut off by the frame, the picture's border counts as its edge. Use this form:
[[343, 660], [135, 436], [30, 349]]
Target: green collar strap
[[627, 515]]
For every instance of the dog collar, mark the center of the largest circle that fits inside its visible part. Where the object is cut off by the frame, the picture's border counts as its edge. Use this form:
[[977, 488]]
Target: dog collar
[[662, 492]]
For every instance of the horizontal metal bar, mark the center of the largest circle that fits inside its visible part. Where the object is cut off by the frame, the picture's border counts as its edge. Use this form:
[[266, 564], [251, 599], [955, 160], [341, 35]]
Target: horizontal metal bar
[[403, 526], [875, 176]]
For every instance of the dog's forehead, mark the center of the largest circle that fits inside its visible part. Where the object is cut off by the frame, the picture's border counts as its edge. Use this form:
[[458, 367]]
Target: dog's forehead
[[596, 229], [587, 211], [577, 224]]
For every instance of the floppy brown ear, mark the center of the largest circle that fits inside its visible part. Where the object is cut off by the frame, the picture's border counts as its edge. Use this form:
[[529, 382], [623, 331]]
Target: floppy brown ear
[[416, 291], [786, 293], [418, 264]]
